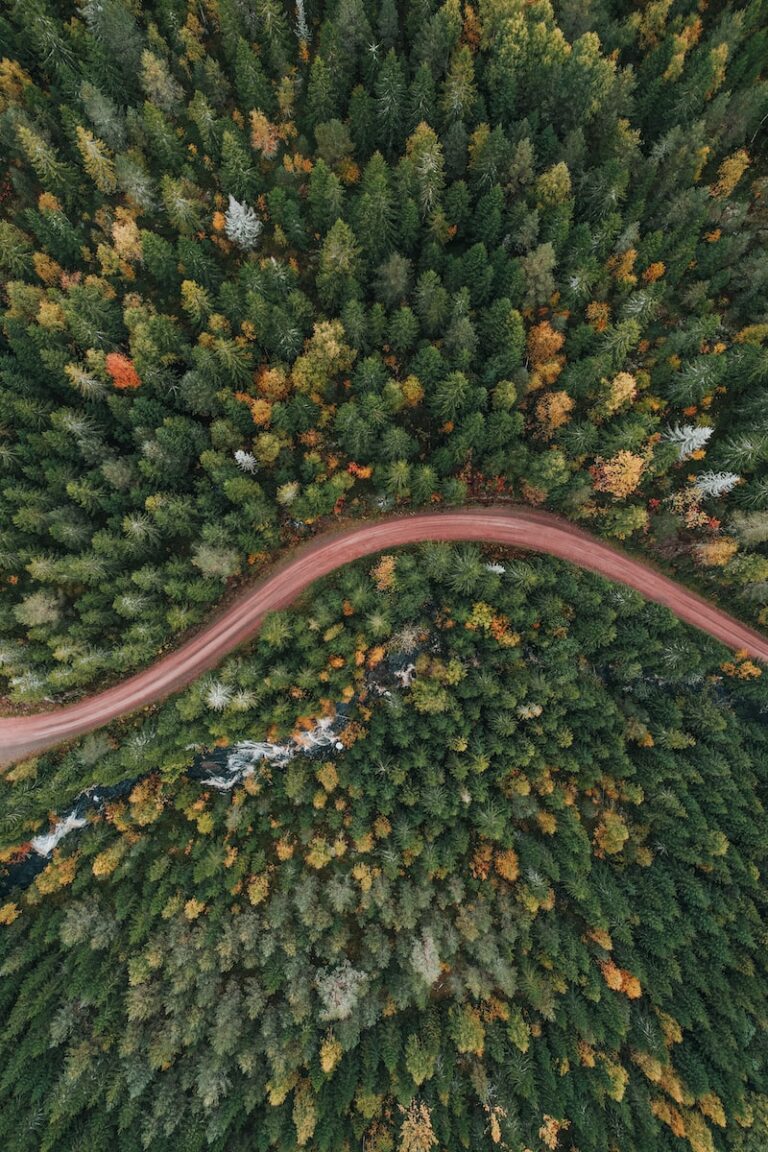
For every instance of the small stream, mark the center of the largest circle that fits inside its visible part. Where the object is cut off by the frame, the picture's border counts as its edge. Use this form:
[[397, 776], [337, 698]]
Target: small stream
[[20, 872], [225, 767], [219, 768]]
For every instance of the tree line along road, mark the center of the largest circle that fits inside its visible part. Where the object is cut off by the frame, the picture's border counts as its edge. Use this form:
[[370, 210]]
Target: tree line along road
[[514, 527]]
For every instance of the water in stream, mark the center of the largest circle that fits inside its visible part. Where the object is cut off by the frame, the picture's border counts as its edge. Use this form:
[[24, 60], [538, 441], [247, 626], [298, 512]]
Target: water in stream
[[219, 768]]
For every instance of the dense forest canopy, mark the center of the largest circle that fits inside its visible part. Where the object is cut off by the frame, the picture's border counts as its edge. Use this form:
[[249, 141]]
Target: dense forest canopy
[[263, 263], [266, 264], [520, 906]]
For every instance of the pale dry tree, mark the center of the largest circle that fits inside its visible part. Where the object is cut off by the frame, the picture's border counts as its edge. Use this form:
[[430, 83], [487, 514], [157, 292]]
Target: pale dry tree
[[688, 438], [716, 483], [217, 696], [242, 224]]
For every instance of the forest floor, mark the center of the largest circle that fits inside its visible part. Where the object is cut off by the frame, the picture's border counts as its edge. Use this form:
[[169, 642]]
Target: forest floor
[[510, 526]]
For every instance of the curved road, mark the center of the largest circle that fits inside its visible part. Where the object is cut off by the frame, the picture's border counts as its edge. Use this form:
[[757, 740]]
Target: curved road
[[511, 526]]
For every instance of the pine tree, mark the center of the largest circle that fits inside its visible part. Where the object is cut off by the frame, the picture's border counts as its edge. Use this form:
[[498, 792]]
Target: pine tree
[[393, 280], [338, 266], [15, 250], [750, 527], [322, 93], [302, 27], [390, 92], [325, 197], [419, 1061], [136, 182], [416, 1132], [374, 212], [489, 155], [183, 203], [431, 302], [104, 115], [459, 92], [242, 225], [97, 161], [422, 98], [238, 175], [689, 438], [196, 301], [158, 83], [339, 990], [538, 268], [362, 121], [426, 155], [716, 483], [251, 84], [51, 171]]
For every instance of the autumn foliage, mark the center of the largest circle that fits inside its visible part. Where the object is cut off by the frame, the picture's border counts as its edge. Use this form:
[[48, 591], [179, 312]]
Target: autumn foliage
[[544, 344], [618, 476], [122, 371], [263, 264]]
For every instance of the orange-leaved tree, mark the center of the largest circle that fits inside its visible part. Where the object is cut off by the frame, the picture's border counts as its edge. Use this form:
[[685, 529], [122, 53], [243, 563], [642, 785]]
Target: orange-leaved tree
[[122, 371]]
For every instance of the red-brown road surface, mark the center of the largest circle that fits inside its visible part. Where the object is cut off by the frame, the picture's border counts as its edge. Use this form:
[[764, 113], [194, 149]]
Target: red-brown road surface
[[511, 526]]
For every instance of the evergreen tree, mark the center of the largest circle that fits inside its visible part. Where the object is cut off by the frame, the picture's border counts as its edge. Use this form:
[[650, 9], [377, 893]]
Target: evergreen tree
[[242, 225]]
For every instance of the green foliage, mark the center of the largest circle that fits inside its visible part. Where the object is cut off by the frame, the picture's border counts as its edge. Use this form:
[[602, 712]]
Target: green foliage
[[537, 910], [265, 264], [508, 209]]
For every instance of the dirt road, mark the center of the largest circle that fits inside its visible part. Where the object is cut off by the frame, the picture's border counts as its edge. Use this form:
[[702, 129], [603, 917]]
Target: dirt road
[[511, 526]]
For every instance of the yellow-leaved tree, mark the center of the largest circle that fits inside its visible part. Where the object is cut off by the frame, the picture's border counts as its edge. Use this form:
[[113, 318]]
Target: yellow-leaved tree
[[620, 475], [416, 1133]]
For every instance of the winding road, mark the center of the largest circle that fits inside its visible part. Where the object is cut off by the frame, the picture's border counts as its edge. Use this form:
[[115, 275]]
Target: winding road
[[514, 527]]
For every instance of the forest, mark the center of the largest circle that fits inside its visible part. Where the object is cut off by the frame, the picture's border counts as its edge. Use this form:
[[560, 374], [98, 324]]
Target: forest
[[264, 265], [518, 903], [465, 850]]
